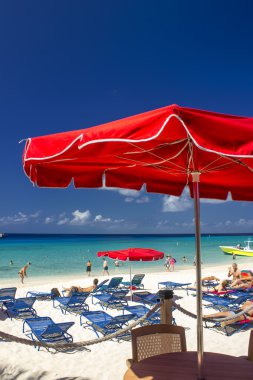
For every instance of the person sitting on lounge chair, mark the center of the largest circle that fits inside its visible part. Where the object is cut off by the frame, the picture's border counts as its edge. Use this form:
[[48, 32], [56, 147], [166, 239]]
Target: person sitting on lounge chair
[[222, 314], [79, 289], [243, 283], [234, 272]]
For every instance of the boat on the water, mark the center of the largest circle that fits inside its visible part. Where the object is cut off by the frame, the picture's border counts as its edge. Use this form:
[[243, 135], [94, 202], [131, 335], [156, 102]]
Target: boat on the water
[[247, 250]]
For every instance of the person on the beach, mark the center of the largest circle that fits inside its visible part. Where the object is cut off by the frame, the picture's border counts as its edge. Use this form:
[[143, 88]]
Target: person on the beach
[[210, 278], [167, 263], [79, 289], [116, 263], [222, 287], [23, 272], [242, 283], [88, 267], [172, 264], [11, 262], [105, 267], [184, 258], [248, 315], [234, 272]]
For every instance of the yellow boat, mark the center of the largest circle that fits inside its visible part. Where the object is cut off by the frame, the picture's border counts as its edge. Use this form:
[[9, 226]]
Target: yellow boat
[[239, 250]]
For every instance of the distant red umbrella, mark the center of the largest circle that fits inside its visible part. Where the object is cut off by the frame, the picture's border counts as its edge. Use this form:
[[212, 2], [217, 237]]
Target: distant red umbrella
[[164, 150], [133, 254]]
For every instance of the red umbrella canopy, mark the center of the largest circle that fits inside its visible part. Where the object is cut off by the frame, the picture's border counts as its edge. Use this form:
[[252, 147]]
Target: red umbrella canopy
[[158, 149], [133, 254]]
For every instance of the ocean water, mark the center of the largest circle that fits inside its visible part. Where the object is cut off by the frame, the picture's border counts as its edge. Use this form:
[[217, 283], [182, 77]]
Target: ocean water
[[66, 255]]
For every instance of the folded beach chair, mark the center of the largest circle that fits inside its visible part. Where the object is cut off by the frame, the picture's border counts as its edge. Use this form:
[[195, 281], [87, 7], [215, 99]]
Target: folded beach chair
[[7, 294], [173, 285], [40, 295], [75, 304], [115, 300], [136, 282], [20, 307], [105, 324], [45, 330]]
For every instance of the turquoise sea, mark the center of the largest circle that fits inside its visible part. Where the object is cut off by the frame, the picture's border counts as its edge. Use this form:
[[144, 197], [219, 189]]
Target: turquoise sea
[[66, 255]]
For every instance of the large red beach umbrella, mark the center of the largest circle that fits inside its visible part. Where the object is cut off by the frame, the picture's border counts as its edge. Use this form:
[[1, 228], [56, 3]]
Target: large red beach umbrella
[[164, 150]]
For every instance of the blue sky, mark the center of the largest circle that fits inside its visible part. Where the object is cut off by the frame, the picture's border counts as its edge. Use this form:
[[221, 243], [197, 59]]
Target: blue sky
[[69, 65]]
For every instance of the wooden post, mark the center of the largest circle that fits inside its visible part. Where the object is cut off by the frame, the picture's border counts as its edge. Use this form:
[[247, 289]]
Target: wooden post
[[166, 297]]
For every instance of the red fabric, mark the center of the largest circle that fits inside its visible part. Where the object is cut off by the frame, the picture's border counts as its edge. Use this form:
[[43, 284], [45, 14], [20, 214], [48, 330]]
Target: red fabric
[[133, 254], [163, 147]]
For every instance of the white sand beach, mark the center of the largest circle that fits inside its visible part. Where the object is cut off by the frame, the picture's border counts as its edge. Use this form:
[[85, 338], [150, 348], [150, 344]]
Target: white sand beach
[[107, 360]]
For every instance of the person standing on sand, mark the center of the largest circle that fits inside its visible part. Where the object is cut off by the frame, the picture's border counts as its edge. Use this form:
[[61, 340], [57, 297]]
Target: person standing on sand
[[88, 267], [23, 272], [105, 267], [172, 264]]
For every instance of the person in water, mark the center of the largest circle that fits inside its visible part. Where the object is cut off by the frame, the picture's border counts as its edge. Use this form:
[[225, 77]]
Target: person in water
[[23, 272], [79, 289]]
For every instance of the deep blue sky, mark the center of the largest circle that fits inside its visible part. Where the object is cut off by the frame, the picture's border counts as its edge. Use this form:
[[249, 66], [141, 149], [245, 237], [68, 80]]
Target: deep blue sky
[[73, 64]]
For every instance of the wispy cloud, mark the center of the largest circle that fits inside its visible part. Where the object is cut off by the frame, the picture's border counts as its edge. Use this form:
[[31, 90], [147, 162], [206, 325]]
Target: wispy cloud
[[49, 219], [100, 218], [19, 218]]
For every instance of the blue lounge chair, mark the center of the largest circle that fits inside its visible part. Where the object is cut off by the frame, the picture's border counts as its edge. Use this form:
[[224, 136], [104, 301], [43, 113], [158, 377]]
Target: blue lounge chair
[[139, 311], [229, 329], [146, 298], [103, 323], [225, 303], [115, 300], [112, 286], [173, 285], [7, 294], [20, 307], [45, 330], [75, 304], [136, 282], [40, 295]]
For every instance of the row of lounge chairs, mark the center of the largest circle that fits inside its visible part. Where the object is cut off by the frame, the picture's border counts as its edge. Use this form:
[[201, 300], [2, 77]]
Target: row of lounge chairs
[[44, 329]]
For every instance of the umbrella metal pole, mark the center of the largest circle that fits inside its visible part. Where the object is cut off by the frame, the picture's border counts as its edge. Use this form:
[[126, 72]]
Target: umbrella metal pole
[[200, 349], [131, 291]]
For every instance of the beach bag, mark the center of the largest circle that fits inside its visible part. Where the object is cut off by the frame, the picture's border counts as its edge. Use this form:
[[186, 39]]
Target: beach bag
[[174, 259], [55, 293]]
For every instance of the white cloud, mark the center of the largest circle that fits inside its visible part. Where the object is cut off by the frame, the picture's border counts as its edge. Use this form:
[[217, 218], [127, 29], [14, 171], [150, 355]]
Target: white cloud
[[80, 218], [177, 204], [129, 193], [142, 200], [63, 221], [19, 218], [49, 219], [99, 218], [129, 200]]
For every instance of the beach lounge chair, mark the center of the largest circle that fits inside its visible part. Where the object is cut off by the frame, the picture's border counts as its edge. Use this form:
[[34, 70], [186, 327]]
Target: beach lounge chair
[[229, 329], [40, 295], [112, 286], [103, 323], [136, 282], [139, 311], [146, 297], [75, 304], [20, 307], [45, 330], [222, 303], [115, 300], [173, 285], [7, 294]]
